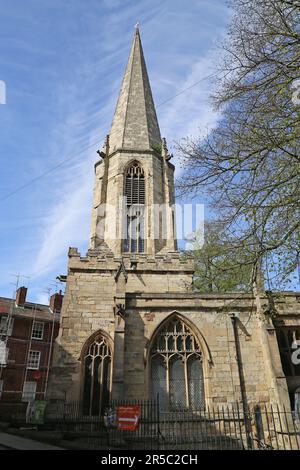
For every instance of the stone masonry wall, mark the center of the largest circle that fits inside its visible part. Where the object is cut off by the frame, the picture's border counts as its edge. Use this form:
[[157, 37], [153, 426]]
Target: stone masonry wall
[[155, 288], [89, 306], [210, 319]]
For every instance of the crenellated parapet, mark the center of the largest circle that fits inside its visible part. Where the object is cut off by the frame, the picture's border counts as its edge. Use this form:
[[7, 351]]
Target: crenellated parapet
[[97, 259]]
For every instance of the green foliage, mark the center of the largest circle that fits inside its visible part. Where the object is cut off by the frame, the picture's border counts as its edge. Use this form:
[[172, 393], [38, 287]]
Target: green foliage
[[157, 148], [217, 264]]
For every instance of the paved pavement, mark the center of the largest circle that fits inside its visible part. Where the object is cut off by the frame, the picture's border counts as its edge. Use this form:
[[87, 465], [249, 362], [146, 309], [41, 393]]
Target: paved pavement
[[9, 441]]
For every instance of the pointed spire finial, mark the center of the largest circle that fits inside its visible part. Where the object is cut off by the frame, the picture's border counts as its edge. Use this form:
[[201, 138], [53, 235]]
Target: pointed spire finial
[[135, 124], [164, 150], [137, 26]]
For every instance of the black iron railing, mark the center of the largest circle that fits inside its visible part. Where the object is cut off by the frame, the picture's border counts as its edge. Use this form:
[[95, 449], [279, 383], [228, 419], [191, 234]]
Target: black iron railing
[[263, 428]]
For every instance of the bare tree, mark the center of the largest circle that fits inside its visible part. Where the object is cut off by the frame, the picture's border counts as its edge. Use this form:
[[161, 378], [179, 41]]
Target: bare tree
[[250, 162]]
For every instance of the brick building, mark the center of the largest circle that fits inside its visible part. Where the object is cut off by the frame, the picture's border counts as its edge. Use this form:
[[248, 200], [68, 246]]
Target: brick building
[[27, 333]]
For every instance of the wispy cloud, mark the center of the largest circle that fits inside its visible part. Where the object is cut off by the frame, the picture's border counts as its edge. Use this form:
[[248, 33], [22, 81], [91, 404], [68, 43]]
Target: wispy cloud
[[67, 222], [190, 112]]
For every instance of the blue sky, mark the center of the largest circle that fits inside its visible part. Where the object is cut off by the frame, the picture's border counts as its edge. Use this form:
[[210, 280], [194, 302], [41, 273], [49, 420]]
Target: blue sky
[[62, 63]]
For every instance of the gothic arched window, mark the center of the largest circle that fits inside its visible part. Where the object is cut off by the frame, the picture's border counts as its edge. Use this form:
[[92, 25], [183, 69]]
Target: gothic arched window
[[135, 202], [176, 367], [97, 376]]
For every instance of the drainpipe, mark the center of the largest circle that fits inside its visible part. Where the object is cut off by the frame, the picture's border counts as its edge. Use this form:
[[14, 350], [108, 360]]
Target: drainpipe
[[242, 380]]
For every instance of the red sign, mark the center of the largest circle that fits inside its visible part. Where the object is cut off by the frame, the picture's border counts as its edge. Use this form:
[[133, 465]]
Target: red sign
[[128, 417], [37, 374]]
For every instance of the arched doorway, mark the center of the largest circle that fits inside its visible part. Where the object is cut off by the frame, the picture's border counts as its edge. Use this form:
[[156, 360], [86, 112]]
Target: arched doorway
[[96, 376], [176, 367]]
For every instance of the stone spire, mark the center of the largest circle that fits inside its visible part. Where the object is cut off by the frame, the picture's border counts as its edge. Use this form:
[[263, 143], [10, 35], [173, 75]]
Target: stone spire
[[135, 123]]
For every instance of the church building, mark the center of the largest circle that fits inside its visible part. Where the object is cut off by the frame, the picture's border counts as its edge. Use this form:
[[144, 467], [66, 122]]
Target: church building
[[132, 327]]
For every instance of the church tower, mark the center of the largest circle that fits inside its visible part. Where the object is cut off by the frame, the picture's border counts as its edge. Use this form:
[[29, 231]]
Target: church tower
[[131, 326], [100, 351], [134, 180]]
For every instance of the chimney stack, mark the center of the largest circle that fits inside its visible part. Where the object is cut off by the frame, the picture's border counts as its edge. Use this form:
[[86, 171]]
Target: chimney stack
[[21, 296], [56, 301]]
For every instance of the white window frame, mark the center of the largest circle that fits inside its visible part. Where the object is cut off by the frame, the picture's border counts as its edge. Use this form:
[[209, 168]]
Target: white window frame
[[5, 328], [34, 364], [29, 395], [4, 352], [40, 328]]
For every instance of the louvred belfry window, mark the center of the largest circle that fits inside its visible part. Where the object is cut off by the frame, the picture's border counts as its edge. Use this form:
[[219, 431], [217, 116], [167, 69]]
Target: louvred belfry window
[[135, 204], [176, 368]]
